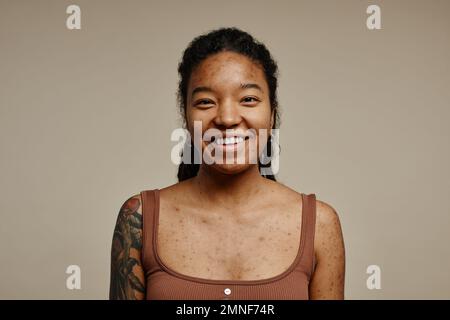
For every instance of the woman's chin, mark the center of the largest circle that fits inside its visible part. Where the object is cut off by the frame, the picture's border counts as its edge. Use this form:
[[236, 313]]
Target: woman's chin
[[231, 168]]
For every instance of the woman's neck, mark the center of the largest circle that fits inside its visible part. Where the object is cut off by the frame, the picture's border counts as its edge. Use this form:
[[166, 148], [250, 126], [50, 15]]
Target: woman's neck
[[227, 190]]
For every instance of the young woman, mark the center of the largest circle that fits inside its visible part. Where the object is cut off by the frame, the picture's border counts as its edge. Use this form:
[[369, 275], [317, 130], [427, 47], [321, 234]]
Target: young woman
[[225, 230]]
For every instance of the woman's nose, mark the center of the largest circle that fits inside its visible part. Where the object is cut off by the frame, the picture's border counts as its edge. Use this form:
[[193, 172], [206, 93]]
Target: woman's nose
[[227, 114]]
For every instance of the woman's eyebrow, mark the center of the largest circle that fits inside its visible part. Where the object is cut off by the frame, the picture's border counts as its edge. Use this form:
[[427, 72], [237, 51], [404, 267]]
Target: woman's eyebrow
[[242, 86], [251, 86], [201, 89]]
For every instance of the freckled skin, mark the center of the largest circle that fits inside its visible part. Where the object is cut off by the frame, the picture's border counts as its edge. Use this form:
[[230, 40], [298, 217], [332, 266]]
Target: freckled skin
[[328, 279], [231, 204], [327, 282], [223, 73]]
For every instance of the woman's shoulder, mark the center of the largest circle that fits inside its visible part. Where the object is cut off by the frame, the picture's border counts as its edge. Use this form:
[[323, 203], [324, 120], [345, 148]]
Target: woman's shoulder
[[134, 201], [326, 214], [130, 212], [132, 204], [328, 231]]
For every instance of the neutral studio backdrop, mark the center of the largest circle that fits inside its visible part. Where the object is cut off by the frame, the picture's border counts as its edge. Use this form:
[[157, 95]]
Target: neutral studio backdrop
[[86, 117]]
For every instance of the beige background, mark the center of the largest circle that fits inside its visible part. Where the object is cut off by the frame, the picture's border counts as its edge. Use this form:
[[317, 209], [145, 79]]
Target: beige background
[[86, 118]]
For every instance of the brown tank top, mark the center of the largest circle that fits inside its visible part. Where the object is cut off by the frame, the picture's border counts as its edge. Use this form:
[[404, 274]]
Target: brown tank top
[[163, 283]]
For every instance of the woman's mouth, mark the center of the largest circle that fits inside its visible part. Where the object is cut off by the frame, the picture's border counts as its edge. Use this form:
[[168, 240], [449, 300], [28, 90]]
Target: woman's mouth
[[229, 144]]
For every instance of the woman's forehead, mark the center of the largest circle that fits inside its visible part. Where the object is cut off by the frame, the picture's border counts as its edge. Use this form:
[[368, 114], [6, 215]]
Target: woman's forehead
[[227, 68]]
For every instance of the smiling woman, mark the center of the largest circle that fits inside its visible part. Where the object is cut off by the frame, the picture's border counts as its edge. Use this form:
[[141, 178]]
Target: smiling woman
[[226, 230]]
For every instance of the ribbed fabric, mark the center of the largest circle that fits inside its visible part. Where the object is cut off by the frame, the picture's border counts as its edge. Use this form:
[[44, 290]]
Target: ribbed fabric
[[164, 283]]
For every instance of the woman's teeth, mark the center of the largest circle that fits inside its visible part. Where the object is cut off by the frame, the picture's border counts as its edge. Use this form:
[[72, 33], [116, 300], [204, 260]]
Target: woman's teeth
[[231, 140]]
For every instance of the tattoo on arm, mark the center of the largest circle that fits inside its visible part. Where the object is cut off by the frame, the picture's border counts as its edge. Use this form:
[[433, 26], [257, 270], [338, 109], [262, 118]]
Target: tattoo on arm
[[127, 275]]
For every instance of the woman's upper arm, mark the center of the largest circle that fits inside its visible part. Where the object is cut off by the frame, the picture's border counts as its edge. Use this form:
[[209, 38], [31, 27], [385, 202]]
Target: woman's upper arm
[[127, 275], [327, 281]]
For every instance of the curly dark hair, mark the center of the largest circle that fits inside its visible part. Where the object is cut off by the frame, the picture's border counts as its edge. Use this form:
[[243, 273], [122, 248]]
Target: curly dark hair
[[225, 39]]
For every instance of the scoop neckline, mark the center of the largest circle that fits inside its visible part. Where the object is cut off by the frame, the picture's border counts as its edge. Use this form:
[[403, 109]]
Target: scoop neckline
[[177, 274]]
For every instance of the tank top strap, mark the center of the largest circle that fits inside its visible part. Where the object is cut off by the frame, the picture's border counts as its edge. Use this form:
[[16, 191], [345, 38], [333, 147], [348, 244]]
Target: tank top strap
[[150, 203], [309, 210]]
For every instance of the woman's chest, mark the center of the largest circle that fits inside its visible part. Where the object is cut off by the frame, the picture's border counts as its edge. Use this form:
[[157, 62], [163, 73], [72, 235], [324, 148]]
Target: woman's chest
[[221, 247]]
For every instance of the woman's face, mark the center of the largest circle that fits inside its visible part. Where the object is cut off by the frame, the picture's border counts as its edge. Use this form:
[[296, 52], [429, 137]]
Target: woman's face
[[228, 94]]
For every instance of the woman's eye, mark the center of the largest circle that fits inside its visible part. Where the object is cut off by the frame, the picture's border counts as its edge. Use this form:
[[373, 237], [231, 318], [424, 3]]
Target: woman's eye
[[203, 102], [250, 99]]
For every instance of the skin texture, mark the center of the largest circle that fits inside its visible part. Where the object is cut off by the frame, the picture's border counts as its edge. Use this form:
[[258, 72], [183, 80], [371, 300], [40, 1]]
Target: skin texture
[[237, 99], [226, 199], [328, 279]]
